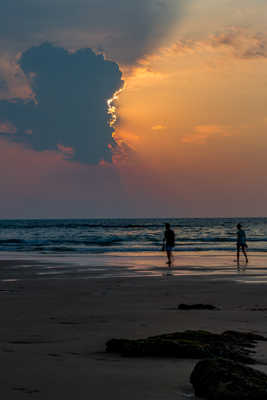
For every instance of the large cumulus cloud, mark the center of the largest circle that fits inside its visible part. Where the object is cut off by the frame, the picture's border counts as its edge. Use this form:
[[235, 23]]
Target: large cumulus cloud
[[124, 29], [69, 109]]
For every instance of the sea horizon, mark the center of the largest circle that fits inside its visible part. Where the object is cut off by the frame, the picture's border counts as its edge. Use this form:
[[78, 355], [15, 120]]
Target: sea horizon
[[102, 235], [111, 247]]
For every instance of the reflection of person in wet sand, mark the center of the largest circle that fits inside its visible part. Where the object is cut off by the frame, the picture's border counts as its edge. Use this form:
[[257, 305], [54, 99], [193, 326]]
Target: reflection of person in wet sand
[[241, 243], [168, 243]]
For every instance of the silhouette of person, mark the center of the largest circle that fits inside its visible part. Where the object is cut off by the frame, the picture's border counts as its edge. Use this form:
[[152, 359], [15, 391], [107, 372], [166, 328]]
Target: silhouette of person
[[241, 243], [168, 243]]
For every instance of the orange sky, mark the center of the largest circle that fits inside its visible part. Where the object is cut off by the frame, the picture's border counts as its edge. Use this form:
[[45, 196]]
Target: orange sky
[[195, 114]]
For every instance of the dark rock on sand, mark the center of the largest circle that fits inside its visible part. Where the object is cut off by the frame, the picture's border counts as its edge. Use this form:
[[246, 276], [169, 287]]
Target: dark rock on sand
[[236, 346], [222, 379], [196, 307]]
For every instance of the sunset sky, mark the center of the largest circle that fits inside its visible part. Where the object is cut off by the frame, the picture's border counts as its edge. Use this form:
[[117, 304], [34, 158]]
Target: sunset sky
[[185, 135]]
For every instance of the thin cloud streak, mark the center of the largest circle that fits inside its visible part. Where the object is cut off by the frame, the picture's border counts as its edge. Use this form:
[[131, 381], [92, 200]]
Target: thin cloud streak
[[239, 41], [202, 133]]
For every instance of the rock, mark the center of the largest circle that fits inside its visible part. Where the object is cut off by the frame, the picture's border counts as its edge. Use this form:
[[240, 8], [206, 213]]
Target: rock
[[233, 345], [196, 307], [246, 339], [223, 379]]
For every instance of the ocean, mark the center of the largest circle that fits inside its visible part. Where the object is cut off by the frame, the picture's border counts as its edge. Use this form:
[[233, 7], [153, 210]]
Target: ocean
[[94, 236], [202, 244]]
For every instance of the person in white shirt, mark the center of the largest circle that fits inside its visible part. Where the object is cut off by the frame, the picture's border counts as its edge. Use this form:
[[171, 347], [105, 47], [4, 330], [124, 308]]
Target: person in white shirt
[[241, 243]]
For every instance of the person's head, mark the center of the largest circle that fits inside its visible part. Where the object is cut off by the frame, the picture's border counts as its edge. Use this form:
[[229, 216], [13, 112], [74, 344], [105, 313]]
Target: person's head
[[239, 226], [167, 225]]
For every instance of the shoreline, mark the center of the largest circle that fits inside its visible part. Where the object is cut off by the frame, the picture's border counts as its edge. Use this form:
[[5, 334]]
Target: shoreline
[[53, 332], [21, 266]]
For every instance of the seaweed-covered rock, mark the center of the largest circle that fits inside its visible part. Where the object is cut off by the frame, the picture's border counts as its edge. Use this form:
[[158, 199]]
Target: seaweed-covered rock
[[200, 306], [236, 346], [222, 379]]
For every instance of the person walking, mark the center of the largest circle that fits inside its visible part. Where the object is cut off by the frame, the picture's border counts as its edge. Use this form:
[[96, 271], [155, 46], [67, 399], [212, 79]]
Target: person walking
[[241, 243]]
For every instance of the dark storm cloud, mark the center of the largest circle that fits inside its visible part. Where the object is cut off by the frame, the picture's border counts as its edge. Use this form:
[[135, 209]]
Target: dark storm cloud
[[69, 111], [125, 29]]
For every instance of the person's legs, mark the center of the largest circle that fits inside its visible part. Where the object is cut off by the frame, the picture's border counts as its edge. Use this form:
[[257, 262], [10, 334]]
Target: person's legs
[[169, 257], [237, 253], [244, 252]]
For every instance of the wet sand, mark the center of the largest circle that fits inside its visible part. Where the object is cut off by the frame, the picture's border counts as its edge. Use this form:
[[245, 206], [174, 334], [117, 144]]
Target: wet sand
[[53, 331]]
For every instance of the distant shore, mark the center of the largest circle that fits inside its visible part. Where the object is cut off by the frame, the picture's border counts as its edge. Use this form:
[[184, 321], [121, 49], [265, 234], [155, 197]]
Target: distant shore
[[53, 331]]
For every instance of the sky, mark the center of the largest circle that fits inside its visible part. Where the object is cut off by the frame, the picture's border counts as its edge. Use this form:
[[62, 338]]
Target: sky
[[151, 108]]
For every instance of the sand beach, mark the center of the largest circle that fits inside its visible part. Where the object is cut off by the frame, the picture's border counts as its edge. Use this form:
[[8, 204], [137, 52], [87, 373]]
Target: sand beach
[[54, 330]]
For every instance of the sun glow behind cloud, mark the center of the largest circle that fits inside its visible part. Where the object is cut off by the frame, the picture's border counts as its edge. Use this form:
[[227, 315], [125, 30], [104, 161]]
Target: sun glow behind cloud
[[112, 108]]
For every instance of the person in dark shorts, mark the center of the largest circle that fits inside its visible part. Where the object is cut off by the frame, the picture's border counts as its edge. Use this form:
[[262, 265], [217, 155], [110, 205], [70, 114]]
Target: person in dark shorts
[[168, 243], [241, 243]]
